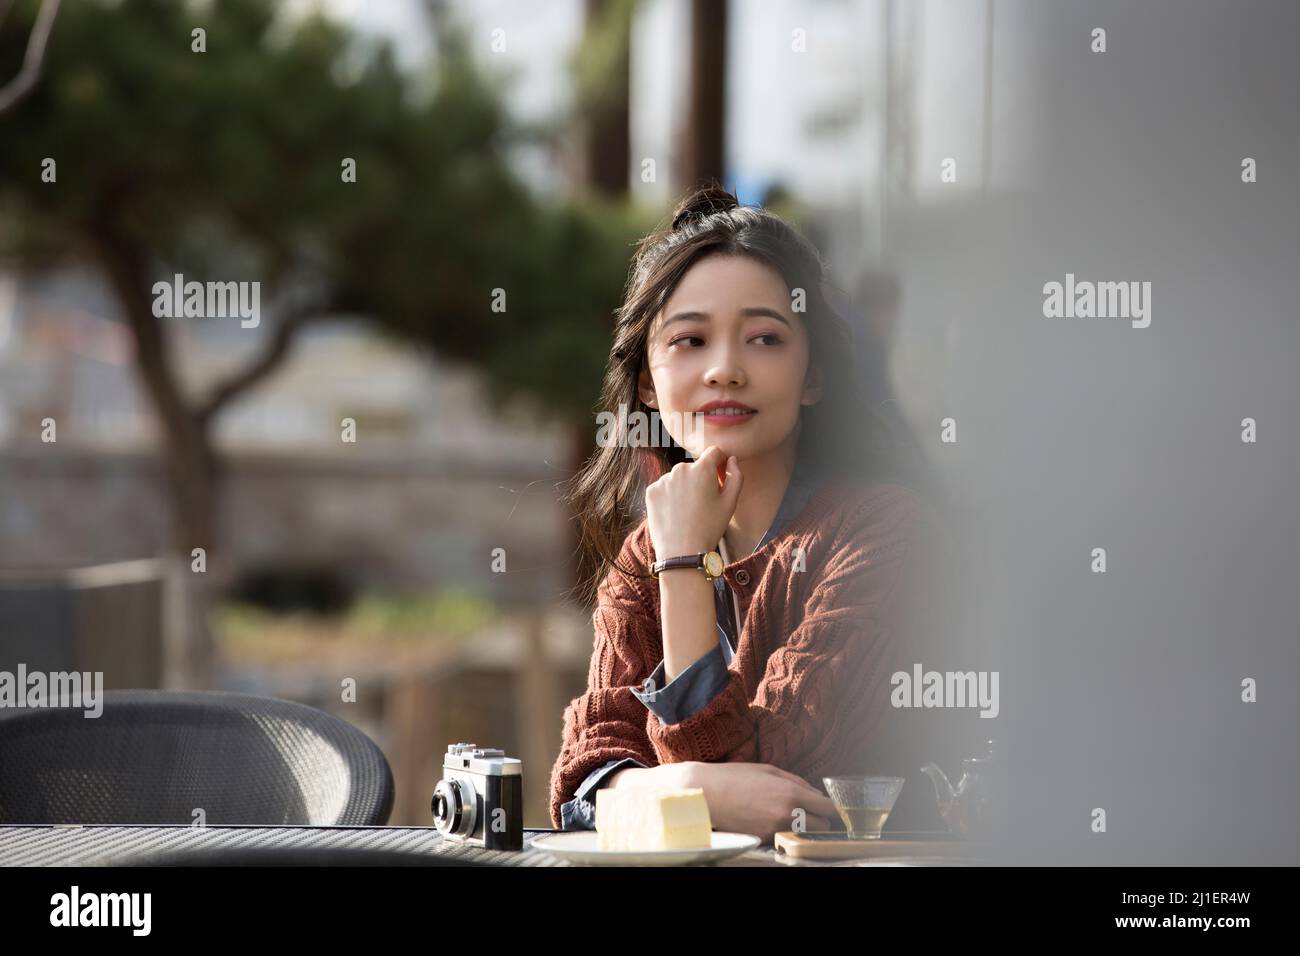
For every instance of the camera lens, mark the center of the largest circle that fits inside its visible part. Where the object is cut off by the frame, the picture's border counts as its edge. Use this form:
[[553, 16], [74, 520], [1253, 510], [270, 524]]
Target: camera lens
[[453, 807]]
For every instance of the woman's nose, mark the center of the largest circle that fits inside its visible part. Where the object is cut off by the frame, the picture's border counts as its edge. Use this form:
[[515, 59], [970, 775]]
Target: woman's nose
[[725, 372]]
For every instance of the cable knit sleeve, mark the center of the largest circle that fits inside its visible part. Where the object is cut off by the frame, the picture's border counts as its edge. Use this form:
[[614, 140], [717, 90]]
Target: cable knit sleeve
[[607, 723], [823, 697]]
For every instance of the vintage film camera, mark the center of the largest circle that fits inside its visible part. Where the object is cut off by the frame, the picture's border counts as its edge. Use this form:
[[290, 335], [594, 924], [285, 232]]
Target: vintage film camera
[[480, 797]]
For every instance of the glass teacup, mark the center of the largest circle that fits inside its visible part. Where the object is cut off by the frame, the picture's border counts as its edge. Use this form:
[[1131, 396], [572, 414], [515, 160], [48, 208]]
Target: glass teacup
[[864, 803]]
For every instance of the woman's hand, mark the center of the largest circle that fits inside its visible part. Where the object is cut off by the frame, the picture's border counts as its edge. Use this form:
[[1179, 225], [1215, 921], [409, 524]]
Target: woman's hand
[[758, 798], [686, 510], [664, 776]]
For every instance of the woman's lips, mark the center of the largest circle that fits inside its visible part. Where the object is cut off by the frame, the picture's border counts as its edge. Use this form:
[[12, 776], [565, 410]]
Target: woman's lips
[[724, 418]]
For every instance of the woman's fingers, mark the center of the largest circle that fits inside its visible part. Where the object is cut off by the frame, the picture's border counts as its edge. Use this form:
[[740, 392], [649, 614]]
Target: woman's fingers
[[815, 800], [778, 771], [822, 805], [792, 777], [732, 480], [711, 460], [726, 470]]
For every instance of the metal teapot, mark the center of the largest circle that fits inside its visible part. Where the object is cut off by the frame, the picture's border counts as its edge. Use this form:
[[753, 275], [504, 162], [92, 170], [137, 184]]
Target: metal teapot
[[968, 808]]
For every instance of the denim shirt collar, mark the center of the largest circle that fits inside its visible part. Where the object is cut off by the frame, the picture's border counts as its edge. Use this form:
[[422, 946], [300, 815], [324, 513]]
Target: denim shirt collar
[[804, 482]]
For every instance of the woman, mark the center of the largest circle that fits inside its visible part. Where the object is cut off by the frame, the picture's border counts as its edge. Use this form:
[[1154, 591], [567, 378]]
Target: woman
[[755, 682]]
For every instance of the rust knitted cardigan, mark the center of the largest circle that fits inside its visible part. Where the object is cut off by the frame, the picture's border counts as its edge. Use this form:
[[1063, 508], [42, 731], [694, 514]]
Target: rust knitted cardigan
[[825, 608]]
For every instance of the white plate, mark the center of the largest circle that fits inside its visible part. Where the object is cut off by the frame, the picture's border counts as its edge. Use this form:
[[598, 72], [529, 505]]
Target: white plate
[[579, 846]]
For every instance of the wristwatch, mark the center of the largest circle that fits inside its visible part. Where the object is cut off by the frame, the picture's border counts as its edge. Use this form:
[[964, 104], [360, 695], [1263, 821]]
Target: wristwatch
[[710, 562]]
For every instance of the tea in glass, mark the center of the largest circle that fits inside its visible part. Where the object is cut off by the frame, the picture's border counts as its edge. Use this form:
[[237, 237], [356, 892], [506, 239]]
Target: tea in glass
[[863, 803]]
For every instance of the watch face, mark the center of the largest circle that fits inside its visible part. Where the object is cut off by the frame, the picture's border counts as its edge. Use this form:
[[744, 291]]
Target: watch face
[[713, 563]]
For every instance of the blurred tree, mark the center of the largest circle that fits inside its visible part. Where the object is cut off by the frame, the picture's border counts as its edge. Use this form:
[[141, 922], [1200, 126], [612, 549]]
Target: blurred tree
[[226, 165], [703, 152], [603, 80], [13, 92]]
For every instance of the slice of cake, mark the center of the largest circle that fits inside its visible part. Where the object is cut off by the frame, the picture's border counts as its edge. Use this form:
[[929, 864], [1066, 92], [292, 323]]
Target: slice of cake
[[646, 818]]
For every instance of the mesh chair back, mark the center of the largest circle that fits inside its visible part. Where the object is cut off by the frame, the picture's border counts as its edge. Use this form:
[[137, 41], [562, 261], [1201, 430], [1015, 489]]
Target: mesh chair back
[[157, 757]]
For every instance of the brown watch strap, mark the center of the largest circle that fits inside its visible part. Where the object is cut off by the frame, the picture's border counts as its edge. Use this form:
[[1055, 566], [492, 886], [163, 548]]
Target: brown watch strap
[[683, 561]]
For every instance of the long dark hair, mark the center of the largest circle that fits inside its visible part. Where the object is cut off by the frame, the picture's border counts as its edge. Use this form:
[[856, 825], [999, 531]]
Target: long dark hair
[[842, 435]]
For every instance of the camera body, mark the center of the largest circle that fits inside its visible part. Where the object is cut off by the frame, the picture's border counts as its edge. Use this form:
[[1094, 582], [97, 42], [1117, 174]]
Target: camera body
[[480, 798]]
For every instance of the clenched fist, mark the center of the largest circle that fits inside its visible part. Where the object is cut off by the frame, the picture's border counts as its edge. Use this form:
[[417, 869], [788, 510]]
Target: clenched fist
[[688, 509]]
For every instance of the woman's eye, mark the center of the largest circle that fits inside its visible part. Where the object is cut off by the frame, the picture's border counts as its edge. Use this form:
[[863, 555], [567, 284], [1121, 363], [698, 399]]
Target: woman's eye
[[776, 339]]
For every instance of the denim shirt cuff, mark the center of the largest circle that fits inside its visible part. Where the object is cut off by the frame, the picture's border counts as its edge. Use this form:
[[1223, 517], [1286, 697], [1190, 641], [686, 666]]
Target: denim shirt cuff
[[687, 693], [577, 814], [580, 812]]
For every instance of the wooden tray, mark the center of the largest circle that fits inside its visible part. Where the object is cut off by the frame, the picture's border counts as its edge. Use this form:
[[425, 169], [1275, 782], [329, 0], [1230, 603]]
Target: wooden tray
[[836, 845]]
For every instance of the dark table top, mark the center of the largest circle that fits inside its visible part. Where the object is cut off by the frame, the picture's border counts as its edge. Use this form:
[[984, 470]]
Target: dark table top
[[119, 845], [72, 845]]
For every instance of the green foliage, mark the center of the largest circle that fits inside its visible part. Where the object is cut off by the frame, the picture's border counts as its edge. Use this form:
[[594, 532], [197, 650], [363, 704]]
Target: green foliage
[[227, 164], [451, 611], [448, 614]]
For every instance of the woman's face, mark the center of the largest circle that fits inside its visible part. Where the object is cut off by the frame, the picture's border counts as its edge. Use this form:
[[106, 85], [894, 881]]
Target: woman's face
[[728, 333]]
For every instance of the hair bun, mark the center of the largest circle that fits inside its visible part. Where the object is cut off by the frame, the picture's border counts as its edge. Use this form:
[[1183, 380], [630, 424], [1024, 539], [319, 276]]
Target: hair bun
[[702, 202]]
